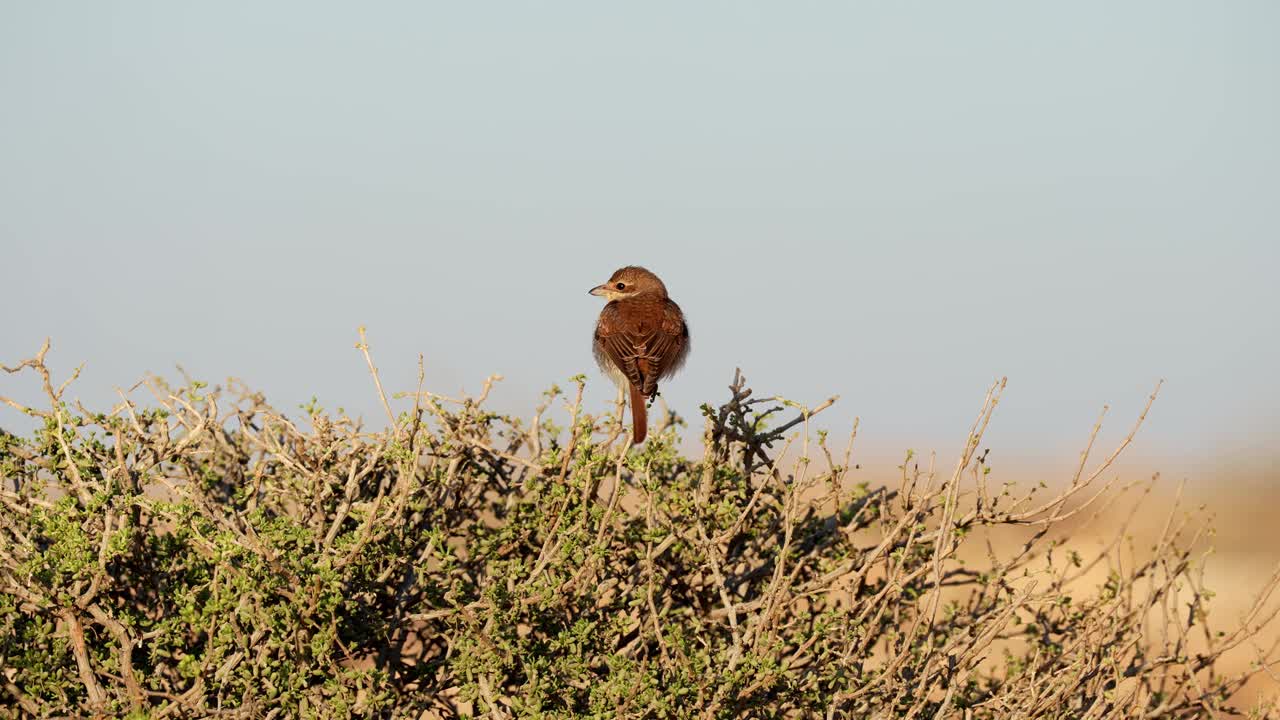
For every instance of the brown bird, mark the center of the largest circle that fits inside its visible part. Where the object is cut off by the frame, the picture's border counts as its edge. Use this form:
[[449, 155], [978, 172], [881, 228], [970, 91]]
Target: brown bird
[[641, 337]]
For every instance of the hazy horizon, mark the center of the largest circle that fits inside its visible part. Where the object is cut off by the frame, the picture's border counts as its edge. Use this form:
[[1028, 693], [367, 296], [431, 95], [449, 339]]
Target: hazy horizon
[[895, 203]]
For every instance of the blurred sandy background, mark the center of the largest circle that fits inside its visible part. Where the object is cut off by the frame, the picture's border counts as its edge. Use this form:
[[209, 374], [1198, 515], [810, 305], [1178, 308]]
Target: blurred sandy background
[[1239, 502]]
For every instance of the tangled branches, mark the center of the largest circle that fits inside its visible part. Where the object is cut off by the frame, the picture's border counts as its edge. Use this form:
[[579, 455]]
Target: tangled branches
[[204, 554]]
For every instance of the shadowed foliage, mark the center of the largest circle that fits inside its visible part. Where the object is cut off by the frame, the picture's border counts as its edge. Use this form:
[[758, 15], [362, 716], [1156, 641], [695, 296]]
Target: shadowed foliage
[[201, 554]]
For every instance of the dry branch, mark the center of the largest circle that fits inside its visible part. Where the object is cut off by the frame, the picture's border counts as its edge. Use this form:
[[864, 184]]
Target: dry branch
[[202, 554]]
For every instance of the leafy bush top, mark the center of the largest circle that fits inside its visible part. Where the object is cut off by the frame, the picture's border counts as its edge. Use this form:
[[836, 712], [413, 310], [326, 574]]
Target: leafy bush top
[[207, 555]]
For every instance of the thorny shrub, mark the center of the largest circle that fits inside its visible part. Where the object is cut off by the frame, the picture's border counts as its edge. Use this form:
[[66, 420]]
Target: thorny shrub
[[202, 554]]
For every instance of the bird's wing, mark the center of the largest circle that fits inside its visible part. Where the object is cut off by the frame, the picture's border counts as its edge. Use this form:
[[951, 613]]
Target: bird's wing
[[615, 343], [673, 340], [642, 350]]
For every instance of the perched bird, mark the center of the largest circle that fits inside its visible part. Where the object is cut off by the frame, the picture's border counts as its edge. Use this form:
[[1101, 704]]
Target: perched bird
[[641, 337]]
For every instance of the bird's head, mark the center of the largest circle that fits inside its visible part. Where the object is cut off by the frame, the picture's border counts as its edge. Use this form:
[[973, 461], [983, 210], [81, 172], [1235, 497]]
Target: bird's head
[[629, 282]]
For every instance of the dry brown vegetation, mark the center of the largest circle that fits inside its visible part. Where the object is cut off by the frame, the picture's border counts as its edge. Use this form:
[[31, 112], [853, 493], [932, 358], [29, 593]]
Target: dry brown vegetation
[[203, 554]]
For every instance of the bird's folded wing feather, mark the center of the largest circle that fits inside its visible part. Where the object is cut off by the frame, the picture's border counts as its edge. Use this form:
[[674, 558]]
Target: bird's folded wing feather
[[644, 351]]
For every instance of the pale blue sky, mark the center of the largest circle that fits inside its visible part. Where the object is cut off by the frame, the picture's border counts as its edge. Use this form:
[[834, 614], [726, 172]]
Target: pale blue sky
[[896, 202]]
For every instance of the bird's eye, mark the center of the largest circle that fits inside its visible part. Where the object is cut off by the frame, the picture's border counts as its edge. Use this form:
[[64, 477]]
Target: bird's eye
[[621, 286]]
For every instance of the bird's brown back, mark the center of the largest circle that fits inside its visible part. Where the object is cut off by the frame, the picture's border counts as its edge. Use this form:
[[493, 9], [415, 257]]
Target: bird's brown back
[[645, 338]]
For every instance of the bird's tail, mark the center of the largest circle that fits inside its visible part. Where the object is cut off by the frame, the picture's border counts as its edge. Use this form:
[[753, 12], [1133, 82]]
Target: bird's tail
[[638, 418]]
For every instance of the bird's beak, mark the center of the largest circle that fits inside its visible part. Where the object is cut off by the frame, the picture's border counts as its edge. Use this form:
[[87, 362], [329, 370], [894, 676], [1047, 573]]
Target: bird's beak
[[599, 291]]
